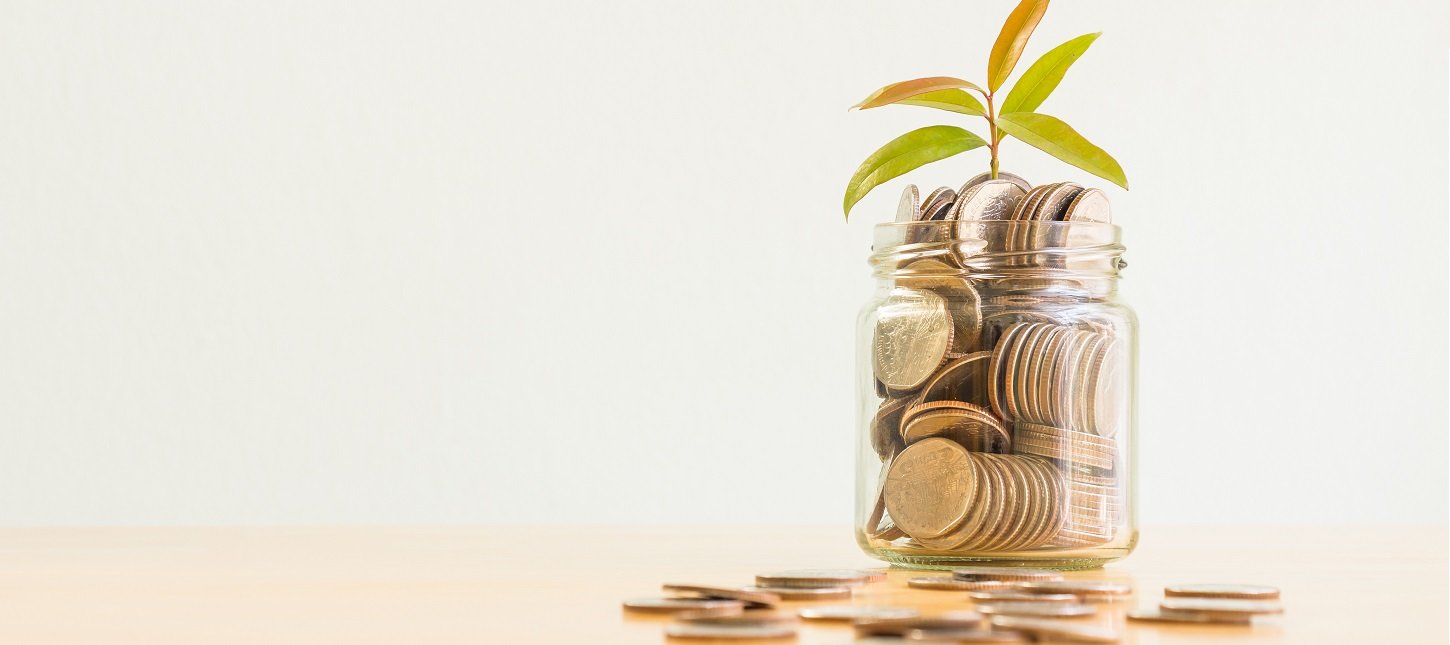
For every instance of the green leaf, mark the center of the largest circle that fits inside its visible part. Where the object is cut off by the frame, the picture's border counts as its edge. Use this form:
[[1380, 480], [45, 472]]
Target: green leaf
[[896, 92], [951, 100], [1058, 139], [906, 153], [1043, 76], [1008, 48]]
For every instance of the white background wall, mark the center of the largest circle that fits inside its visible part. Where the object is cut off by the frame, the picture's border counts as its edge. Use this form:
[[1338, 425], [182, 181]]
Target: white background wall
[[459, 262]]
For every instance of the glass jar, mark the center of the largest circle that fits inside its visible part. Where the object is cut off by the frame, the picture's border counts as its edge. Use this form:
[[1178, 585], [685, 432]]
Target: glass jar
[[997, 388]]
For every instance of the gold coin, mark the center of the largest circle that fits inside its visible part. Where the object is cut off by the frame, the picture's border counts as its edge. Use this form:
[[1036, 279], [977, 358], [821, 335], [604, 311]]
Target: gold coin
[[930, 487], [972, 426], [962, 379], [1039, 609], [1240, 592], [672, 605], [945, 583], [1051, 629], [886, 427], [723, 593], [1160, 616], [996, 369], [962, 302], [805, 593], [729, 632], [856, 613], [815, 578], [1061, 452], [962, 533], [913, 334], [1217, 606], [1005, 573]]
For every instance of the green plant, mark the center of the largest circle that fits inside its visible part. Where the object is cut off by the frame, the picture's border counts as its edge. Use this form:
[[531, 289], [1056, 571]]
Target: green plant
[[1015, 115]]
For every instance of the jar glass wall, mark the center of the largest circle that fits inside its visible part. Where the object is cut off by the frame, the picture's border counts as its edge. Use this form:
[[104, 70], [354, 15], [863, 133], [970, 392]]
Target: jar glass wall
[[996, 380]]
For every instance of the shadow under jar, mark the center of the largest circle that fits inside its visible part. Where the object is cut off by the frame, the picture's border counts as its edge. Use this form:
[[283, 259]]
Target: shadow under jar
[[997, 396]]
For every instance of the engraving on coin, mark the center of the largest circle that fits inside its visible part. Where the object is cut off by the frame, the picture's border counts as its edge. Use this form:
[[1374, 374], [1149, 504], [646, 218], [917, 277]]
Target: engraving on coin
[[913, 333], [930, 486]]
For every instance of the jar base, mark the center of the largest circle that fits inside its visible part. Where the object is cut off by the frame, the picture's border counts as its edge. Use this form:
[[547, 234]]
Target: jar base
[[1060, 559]]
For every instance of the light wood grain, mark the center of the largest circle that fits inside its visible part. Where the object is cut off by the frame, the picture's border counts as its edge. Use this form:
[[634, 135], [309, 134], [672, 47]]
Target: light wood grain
[[563, 584]]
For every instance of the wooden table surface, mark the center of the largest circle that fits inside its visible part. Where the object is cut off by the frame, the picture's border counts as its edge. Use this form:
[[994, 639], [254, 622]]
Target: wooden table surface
[[563, 584]]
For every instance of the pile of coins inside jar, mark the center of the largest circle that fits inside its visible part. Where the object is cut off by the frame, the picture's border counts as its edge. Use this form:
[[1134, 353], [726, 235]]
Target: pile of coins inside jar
[[1001, 394]]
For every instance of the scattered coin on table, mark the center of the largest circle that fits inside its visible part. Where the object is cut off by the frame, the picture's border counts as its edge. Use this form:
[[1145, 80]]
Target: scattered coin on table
[[965, 636], [671, 605], [1085, 588], [1220, 606], [900, 626], [747, 617], [1160, 616], [1240, 592], [1012, 595], [804, 593], [816, 578], [750, 598]]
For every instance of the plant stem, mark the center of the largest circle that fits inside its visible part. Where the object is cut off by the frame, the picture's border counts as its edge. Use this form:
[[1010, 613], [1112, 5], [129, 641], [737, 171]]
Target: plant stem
[[992, 133]]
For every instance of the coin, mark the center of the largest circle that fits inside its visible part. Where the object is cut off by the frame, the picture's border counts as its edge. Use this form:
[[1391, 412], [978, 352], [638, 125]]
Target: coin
[[929, 488], [1079, 587], [804, 593], [886, 427], [913, 333], [729, 632], [1091, 205], [909, 208], [1184, 604], [1054, 203], [671, 605], [1039, 609], [962, 302], [723, 593], [1160, 616], [987, 176], [990, 200], [856, 612], [937, 203], [944, 583], [972, 426], [899, 626], [816, 578], [964, 636], [1004, 573], [1010, 595], [962, 379], [1054, 628], [748, 617], [1241, 592]]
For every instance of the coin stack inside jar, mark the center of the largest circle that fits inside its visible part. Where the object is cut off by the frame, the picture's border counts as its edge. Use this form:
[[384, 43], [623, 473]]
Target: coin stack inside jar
[[1002, 394]]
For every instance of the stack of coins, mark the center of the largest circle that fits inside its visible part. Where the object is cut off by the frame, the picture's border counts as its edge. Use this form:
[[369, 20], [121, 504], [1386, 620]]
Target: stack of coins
[[1002, 397]]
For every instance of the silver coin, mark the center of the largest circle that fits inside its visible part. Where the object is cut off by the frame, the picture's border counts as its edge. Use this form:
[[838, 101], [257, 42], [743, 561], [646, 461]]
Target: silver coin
[[749, 617], [963, 636], [856, 612], [987, 176], [1080, 587], [1091, 205], [670, 605], [1004, 573], [729, 632], [1039, 609], [807, 593], [992, 200], [1020, 596], [1241, 592], [935, 200], [946, 583], [1054, 204], [1183, 604], [818, 578], [909, 208], [913, 334], [1160, 616]]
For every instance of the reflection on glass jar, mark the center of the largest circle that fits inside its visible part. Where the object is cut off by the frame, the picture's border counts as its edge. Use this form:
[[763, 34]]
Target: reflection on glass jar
[[997, 381]]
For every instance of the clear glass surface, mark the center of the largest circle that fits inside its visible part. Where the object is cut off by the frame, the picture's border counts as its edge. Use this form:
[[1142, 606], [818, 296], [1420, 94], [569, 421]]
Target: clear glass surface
[[997, 379]]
